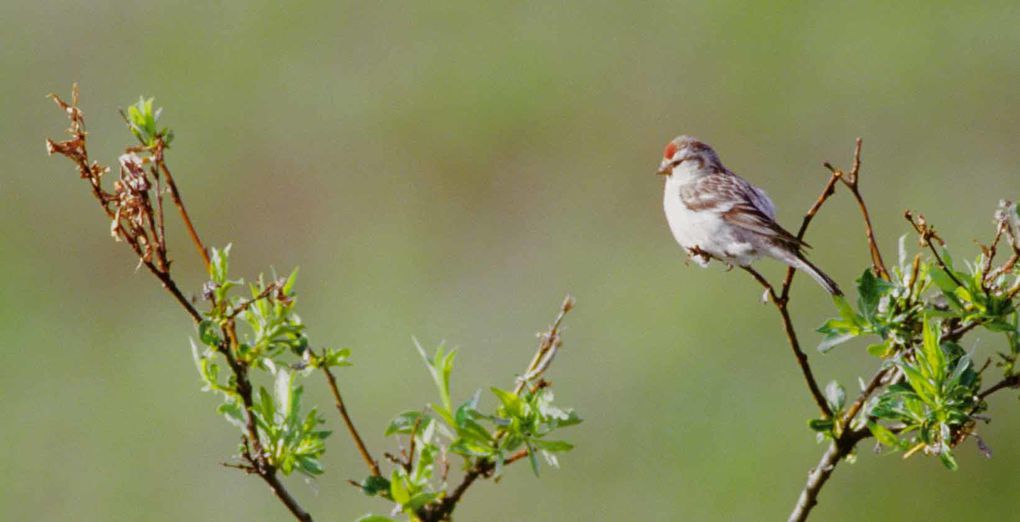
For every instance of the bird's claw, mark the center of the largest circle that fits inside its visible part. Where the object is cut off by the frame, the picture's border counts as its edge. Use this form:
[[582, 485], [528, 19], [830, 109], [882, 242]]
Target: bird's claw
[[698, 255]]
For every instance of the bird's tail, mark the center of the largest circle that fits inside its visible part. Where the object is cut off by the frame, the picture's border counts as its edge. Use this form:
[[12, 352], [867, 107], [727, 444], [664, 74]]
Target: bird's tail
[[797, 260]]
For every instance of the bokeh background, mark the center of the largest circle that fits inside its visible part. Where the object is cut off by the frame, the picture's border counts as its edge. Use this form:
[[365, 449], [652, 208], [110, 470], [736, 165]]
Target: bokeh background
[[449, 170]]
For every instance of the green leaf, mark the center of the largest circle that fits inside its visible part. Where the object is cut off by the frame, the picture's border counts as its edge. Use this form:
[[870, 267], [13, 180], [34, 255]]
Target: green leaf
[[334, 358], [821, 425], [208, 333], [398, 490], [835, 395], [532, 459], [404, 423], [932, 353], [948, 460], [374, 518], [374, 485], [552, 445], [880, 350], [513, 404], [883, 435], [831, 342], [440, 367], [870, 290]]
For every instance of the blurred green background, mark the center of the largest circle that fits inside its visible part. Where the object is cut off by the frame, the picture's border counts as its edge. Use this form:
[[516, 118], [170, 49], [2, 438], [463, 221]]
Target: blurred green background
[[448, 171]]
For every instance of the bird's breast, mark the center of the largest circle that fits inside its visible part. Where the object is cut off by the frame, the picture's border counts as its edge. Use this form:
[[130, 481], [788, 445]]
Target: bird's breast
[[689, 227]]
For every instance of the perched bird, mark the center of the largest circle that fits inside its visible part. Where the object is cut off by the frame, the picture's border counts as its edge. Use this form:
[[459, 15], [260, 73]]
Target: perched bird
[[713, 213]]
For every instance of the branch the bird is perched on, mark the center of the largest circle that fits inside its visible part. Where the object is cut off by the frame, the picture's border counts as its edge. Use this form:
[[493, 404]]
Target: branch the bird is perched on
[[713, 213], [899, 404]]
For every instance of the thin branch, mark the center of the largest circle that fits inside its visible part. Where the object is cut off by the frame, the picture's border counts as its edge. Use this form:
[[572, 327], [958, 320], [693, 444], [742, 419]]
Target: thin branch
[[928, 238], [547, 348], [870, 388], [827, 192], [176, 196], [836, 452], [1009, 382], [791, 336], [852, 181], [411, 446], [372, 464], [245, 305], [820, 474], [281, 493]]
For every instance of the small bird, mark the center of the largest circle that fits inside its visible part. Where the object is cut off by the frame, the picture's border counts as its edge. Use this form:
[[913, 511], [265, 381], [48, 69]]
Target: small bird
[[713, 213]]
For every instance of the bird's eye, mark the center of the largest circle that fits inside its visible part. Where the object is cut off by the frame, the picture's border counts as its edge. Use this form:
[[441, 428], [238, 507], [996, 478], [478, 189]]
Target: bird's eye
[[670, 150]]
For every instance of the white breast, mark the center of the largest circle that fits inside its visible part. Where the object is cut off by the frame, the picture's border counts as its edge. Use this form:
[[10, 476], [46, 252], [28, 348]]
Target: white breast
[[704, 229]]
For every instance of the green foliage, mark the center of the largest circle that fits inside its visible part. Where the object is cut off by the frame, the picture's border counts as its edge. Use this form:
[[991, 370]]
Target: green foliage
[[272, 340], [932, 402], [291, 439], [143, 120], [519, 425]]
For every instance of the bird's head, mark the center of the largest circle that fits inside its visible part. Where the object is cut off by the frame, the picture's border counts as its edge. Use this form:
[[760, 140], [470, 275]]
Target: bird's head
[[687, 151]]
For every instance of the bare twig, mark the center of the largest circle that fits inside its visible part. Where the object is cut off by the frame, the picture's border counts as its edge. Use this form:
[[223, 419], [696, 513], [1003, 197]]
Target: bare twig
[[547, 348], [1011, 381], [827, 192], [176, 196], [928, 238], [820, 474], [852, 181], [791, 336], [372, 464]]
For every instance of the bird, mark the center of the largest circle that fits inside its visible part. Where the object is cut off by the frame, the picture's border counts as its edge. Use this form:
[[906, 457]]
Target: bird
[[715, 214]]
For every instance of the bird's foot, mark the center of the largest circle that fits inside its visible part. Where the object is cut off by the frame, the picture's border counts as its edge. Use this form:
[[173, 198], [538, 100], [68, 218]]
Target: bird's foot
[[698, 255]]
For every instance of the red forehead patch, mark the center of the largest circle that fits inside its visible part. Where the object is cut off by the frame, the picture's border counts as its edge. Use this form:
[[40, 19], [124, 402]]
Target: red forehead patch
[[670, 150]]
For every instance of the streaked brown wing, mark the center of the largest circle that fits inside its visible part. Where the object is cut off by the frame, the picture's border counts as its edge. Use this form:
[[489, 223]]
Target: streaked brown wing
[[735, 200]]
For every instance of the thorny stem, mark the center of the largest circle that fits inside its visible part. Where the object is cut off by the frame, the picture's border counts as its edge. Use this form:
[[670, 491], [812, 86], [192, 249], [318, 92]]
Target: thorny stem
[[372, 464]]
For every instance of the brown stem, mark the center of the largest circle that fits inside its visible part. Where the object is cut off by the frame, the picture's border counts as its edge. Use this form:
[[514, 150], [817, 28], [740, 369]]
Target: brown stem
[[870, 388], [791, 336], [171, 286], [828, 191], [269, 289], [281, 493], [546, 349], [820, 474], [444, 508], [372, 464], [176, 196], [1009, 382], [852, 181]]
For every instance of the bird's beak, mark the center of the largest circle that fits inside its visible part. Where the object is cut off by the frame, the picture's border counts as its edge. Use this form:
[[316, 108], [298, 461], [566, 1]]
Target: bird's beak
[[665, 168]]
